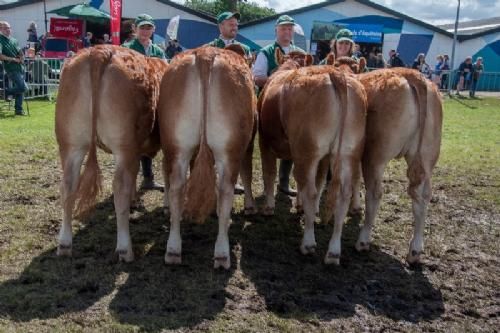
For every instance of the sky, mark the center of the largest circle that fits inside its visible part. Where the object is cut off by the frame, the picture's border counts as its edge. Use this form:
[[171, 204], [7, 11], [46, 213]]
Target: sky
[[430, 11]]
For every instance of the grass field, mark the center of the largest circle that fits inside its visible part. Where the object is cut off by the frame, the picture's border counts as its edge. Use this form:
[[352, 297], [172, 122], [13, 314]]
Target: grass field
[[271, 287]]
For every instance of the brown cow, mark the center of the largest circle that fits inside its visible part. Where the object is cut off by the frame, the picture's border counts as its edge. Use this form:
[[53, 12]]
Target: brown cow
[[404, 120], [206, 110], [107, 97], [314, 116]]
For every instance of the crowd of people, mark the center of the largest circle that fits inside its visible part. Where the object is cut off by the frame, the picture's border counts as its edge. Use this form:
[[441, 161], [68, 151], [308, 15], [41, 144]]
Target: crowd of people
[[343, 44]]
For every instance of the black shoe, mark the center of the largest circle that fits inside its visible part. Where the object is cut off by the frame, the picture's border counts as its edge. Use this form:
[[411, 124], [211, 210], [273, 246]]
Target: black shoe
[[20, 113], [148, 183], [9, 98], [238, 189], [287, 190]]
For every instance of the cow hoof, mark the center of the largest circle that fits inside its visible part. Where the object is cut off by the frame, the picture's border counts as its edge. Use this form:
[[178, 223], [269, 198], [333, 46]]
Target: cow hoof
[[125, 256], [64, 250], [308, 249], [268, 211], [413, 257], [362, 246], [249, 211], [172, 258], [222, 261], [332, 259]]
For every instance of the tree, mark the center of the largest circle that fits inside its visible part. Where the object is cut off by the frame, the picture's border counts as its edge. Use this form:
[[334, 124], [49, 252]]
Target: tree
[[249, 10]]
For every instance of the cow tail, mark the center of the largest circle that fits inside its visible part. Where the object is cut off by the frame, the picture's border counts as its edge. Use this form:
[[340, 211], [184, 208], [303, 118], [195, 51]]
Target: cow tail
[[339, 84], [201, 196], [90, 182], [416, 170]]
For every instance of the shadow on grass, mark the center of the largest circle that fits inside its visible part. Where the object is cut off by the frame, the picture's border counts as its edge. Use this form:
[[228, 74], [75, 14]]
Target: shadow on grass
[[148, 293], [302, 287], [463, 100]]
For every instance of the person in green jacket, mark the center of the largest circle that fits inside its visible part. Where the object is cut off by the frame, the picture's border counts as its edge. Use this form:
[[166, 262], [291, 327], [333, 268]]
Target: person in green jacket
[[13, 63], [342, 46], [228, 28], [264, 66], [143, 44]]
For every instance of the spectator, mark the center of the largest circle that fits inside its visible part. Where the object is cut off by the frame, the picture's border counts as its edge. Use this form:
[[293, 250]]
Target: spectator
[[420, 65], [87, 40], [477, 70], [13, 62], [380, 61], [144, 45], [464, 71], [266, 64], [342, 45], [436, 74], [32, 35], [106, 39], [173, 48], [445, 67], [357, 53], [395, 60]]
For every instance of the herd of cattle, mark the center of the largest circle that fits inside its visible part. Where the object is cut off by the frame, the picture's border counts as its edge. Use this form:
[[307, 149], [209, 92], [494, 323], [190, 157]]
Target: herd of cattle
[[202, 111]]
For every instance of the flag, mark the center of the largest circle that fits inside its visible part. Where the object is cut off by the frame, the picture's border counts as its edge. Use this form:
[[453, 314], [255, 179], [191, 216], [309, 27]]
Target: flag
[[115, 9], [298, 29], [173, 26]]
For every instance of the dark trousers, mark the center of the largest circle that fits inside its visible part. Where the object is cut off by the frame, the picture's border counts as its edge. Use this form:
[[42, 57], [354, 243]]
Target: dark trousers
[[147, 167], [284, 172], [17, 90]]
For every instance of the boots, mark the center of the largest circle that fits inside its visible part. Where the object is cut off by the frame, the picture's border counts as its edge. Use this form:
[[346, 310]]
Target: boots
[[284, 178]]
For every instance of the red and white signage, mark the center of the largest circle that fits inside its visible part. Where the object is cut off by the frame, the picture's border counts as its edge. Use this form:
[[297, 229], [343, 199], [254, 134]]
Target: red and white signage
[[115, 9], [68, 28]]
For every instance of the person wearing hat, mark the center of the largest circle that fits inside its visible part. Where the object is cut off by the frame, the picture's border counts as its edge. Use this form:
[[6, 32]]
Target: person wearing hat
[[264, 66], [342, 45], [13, 62], [228, 28], [143, 44]]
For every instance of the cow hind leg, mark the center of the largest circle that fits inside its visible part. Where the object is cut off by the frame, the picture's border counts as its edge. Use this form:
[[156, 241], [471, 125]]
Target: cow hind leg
[[323, 167], [372, 173], [176, 173], [72, 161], [246, 177], [420, 192], [355, 207], [305, 174], [127, 166], [228, 173], [269, 174], [342, 190]]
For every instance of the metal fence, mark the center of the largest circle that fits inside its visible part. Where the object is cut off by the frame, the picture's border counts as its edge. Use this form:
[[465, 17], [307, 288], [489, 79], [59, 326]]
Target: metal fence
[[42, 77]]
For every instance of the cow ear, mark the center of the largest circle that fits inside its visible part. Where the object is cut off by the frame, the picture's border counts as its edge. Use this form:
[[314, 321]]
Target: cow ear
[[362, 64], [279, 56], [236, 48], [308, 61], [330, 58]]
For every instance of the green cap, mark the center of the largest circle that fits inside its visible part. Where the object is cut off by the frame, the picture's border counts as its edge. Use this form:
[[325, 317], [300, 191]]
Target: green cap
[[226, 16], [344, 34], [144, 19], [285, 19]]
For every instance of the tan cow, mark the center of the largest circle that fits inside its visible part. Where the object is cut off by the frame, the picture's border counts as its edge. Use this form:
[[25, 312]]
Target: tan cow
[[206, 111], [404, 120], [316, 117], [107, 97]]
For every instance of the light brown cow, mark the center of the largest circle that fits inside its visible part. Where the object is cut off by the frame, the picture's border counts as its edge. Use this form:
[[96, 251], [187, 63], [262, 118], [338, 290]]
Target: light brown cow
[[316, 117], [404, 120], [206, 111], [107, 97]]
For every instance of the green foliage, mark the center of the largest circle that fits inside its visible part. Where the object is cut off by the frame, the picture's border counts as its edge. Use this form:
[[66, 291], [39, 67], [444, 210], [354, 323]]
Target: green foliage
[[249, 10]]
